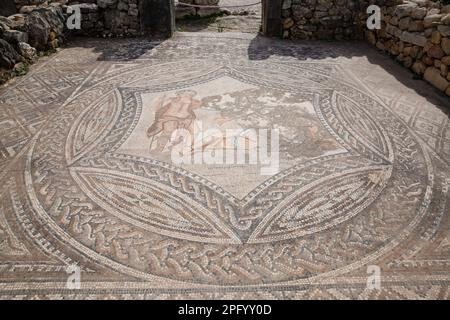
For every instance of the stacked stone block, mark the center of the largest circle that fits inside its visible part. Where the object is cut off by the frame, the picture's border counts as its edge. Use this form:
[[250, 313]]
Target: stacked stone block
[[322, 19], [417, 34], [22, 35]]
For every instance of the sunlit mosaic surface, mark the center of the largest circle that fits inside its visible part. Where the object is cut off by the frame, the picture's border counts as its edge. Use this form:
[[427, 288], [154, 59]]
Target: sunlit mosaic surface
[[87, 177]]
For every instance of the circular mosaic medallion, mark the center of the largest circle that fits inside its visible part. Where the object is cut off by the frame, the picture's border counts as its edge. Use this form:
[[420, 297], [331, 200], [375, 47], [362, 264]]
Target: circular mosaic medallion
[[104, 179]]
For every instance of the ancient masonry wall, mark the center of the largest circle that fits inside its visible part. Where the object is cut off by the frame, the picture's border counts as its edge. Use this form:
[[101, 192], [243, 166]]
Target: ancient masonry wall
[[29, 28], [125, 18], [22, 35], [417, 34], [108, 17], [323, 19]]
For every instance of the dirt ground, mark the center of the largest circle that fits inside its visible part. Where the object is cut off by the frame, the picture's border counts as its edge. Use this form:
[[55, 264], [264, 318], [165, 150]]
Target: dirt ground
[[235, 16]]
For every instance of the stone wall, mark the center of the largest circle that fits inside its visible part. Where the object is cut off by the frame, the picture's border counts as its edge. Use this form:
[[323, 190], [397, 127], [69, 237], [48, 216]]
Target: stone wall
[[125, 17], [25, 34], [120, 18], [323, 19], [108, 18], [417, 34]]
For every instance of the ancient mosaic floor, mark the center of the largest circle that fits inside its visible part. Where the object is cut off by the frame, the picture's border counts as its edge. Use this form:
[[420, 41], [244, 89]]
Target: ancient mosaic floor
[[364, 174]]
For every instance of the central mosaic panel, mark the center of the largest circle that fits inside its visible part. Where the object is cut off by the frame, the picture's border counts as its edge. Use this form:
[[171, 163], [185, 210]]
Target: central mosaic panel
[[220, 116]]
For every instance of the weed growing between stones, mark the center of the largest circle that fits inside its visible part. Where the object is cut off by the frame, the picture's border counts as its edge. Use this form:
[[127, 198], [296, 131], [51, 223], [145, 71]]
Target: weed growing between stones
[[22, 69], [49, 52]]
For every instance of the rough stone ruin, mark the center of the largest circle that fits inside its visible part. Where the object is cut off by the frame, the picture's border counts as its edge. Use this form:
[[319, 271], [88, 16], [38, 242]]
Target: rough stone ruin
[[183, 10]]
